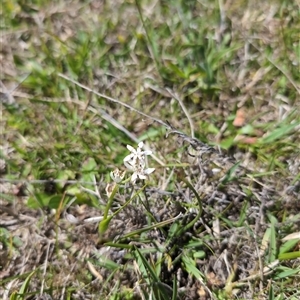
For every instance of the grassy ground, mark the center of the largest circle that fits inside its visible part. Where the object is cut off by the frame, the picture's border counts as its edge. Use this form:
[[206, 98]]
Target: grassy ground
[[80, 80]]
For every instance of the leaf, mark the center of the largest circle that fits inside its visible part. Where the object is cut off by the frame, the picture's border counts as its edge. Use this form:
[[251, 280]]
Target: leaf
[[174, 295], [13, 296], [54, 201], [242, 217], [64, 175], [278, 133], [191, 268], [289, 255], [230, 175], [89, 165], [194, 243], [273, 242], [227, 143], [39, 200], [199, 254], [21, 294], [287, 272], [103, 225], [265, 241], [288, 246], [106, 263], [173, 230], [89, 170], [146, 269], [150, 276], [177, 70], [271, 293]]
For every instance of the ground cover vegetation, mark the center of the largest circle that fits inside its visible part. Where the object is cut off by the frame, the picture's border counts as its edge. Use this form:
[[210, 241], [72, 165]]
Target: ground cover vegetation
[[149, 149]]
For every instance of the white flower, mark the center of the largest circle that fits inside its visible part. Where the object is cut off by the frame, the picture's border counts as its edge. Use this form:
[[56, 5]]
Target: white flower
[[136, 162], [141, 174], [136, 158], [117, 176]]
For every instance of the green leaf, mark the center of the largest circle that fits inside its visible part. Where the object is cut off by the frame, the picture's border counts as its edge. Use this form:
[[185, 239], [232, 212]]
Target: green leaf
[[74, 190], [190, 266], [247, 129], [271, 293], [103, 261], [177, 70], [89, 170], [54, 201], [278, 133], [194, 243], [287, 246], [287, 272], [273, 241], [22, 292], [13, 296], [64, 175], [173, 230], [38, 200], [266, 240], [242, 217], [89, 165], [227, 143], [150, 276], [230, 175], [103, 225], [199, 254], [145, 267], [174, 295], [289, 255]]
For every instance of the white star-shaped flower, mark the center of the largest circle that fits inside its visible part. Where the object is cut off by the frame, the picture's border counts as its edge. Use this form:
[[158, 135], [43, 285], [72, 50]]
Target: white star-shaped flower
[[137, 157], [135, 162]]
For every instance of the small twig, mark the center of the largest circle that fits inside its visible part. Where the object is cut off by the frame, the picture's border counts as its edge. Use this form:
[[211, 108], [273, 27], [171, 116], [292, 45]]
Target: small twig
[[96, 189], [7, 223], [89, 191], [184, 110], [45, 267], [94, 271]]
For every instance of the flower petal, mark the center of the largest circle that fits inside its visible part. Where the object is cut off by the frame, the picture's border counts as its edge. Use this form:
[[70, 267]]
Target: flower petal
[[142, 176], [129, 166], [149, 171], [147, 152], [131, 149], [128, 157], [141, 144], [134, 177]]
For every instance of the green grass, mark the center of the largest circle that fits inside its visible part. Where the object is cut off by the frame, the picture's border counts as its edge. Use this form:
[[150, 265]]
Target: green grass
[[80, 80]]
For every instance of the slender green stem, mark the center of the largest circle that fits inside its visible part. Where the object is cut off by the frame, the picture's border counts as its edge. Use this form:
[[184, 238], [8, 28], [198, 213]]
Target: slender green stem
[[110, 201], [198, 216]]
